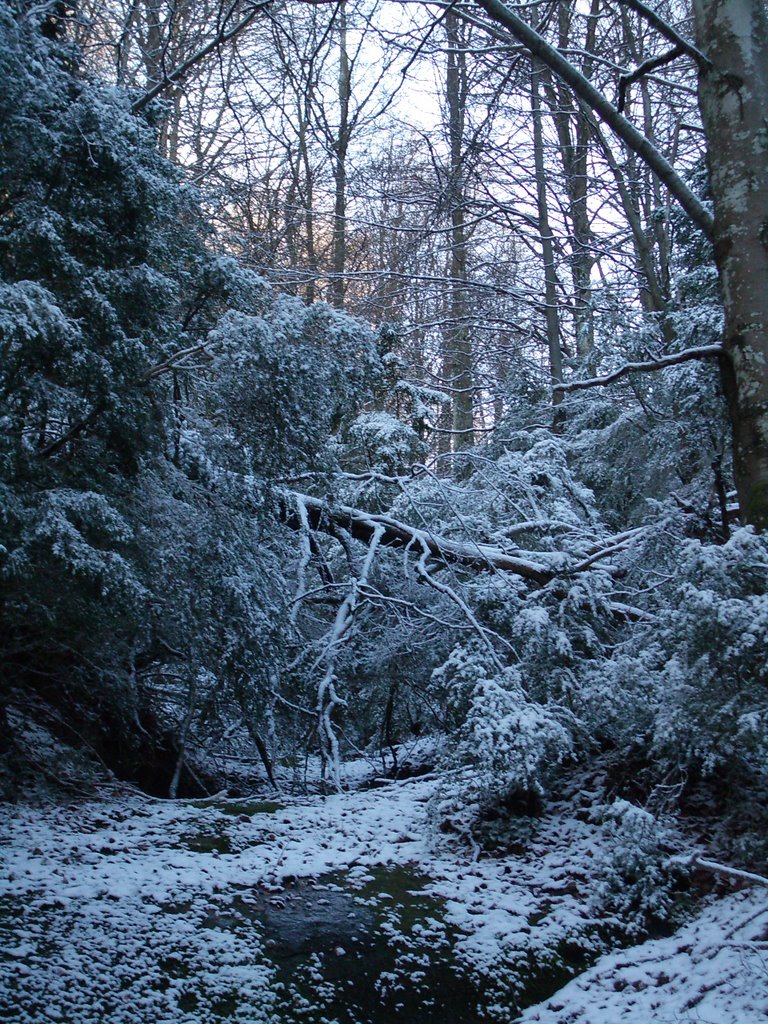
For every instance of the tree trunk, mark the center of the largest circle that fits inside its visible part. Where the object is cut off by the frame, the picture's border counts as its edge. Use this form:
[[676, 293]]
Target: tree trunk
[[733, 97], [547, 247], [458, 360], [338, 287], [573, 132]]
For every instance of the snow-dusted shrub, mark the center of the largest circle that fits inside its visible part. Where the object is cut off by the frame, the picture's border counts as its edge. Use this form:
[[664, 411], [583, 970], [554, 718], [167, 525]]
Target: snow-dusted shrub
[[636, 881], [284, 379], [381, 443], [713, 691], [506, 747], [510, 740]]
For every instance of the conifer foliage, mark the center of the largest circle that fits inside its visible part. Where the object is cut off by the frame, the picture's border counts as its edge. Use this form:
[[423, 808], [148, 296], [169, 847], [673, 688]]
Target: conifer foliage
[[136, 580]]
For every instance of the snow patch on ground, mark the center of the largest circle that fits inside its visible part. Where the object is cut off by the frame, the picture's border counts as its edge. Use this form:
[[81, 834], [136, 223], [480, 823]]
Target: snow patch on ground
[[121, 911]]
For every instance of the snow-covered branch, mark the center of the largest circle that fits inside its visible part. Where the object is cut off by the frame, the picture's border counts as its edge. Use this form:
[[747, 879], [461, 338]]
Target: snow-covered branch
[[703, 352], [642, 70], [363, 526], [327, 697], [175, 362], [669, 32], [301, 511], [694, 860]]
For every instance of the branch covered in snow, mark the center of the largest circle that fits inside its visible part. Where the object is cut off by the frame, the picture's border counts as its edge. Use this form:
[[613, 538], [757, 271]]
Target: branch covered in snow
[[642, 70], [721, 869], [300, 511], [669, 32], [364, 526], [175, 362], [703, 352]]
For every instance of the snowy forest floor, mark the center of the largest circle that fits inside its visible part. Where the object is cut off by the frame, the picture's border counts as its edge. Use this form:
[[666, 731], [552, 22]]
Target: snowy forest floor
[[351, 908]]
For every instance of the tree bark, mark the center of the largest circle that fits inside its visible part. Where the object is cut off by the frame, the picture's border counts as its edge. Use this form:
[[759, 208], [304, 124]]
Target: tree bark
[[547, 249], [733, 97], [338, 285], [573, 132], [458, 356]]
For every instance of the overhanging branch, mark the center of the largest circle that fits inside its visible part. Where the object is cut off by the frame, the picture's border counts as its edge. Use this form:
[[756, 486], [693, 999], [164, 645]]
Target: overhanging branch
[[668, 31], [638, 143], [703, 352], [300, 511]]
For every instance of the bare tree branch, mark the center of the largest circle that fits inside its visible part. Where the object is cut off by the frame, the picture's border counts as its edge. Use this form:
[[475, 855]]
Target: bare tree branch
[[224, 35], [583, 88], [670, 33], [641, 71], [716, 868]]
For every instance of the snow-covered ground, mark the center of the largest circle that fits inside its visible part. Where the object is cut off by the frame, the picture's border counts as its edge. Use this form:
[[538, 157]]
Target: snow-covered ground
[[134, 911], [714, 970]]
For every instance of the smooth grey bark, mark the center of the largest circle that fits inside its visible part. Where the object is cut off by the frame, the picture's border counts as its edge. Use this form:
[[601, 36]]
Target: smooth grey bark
[[298, 72], [733, 97], [653, 198], [307, 192]]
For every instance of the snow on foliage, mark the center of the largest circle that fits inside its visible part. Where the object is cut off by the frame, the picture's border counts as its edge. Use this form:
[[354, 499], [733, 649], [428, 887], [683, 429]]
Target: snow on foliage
[[636, 880], [382, 443]]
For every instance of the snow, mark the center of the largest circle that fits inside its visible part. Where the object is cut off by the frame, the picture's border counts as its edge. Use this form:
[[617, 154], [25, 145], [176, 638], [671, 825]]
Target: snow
[[713, 970], [117, 911]]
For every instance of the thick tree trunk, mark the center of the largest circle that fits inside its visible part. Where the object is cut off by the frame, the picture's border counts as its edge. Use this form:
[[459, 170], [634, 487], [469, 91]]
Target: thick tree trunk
[[733, 97]]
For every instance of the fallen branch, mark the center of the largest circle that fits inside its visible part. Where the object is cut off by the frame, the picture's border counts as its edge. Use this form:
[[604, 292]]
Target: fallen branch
[[723, 869], [703, 352], [694, 860], [364, 526], [300, 511]]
